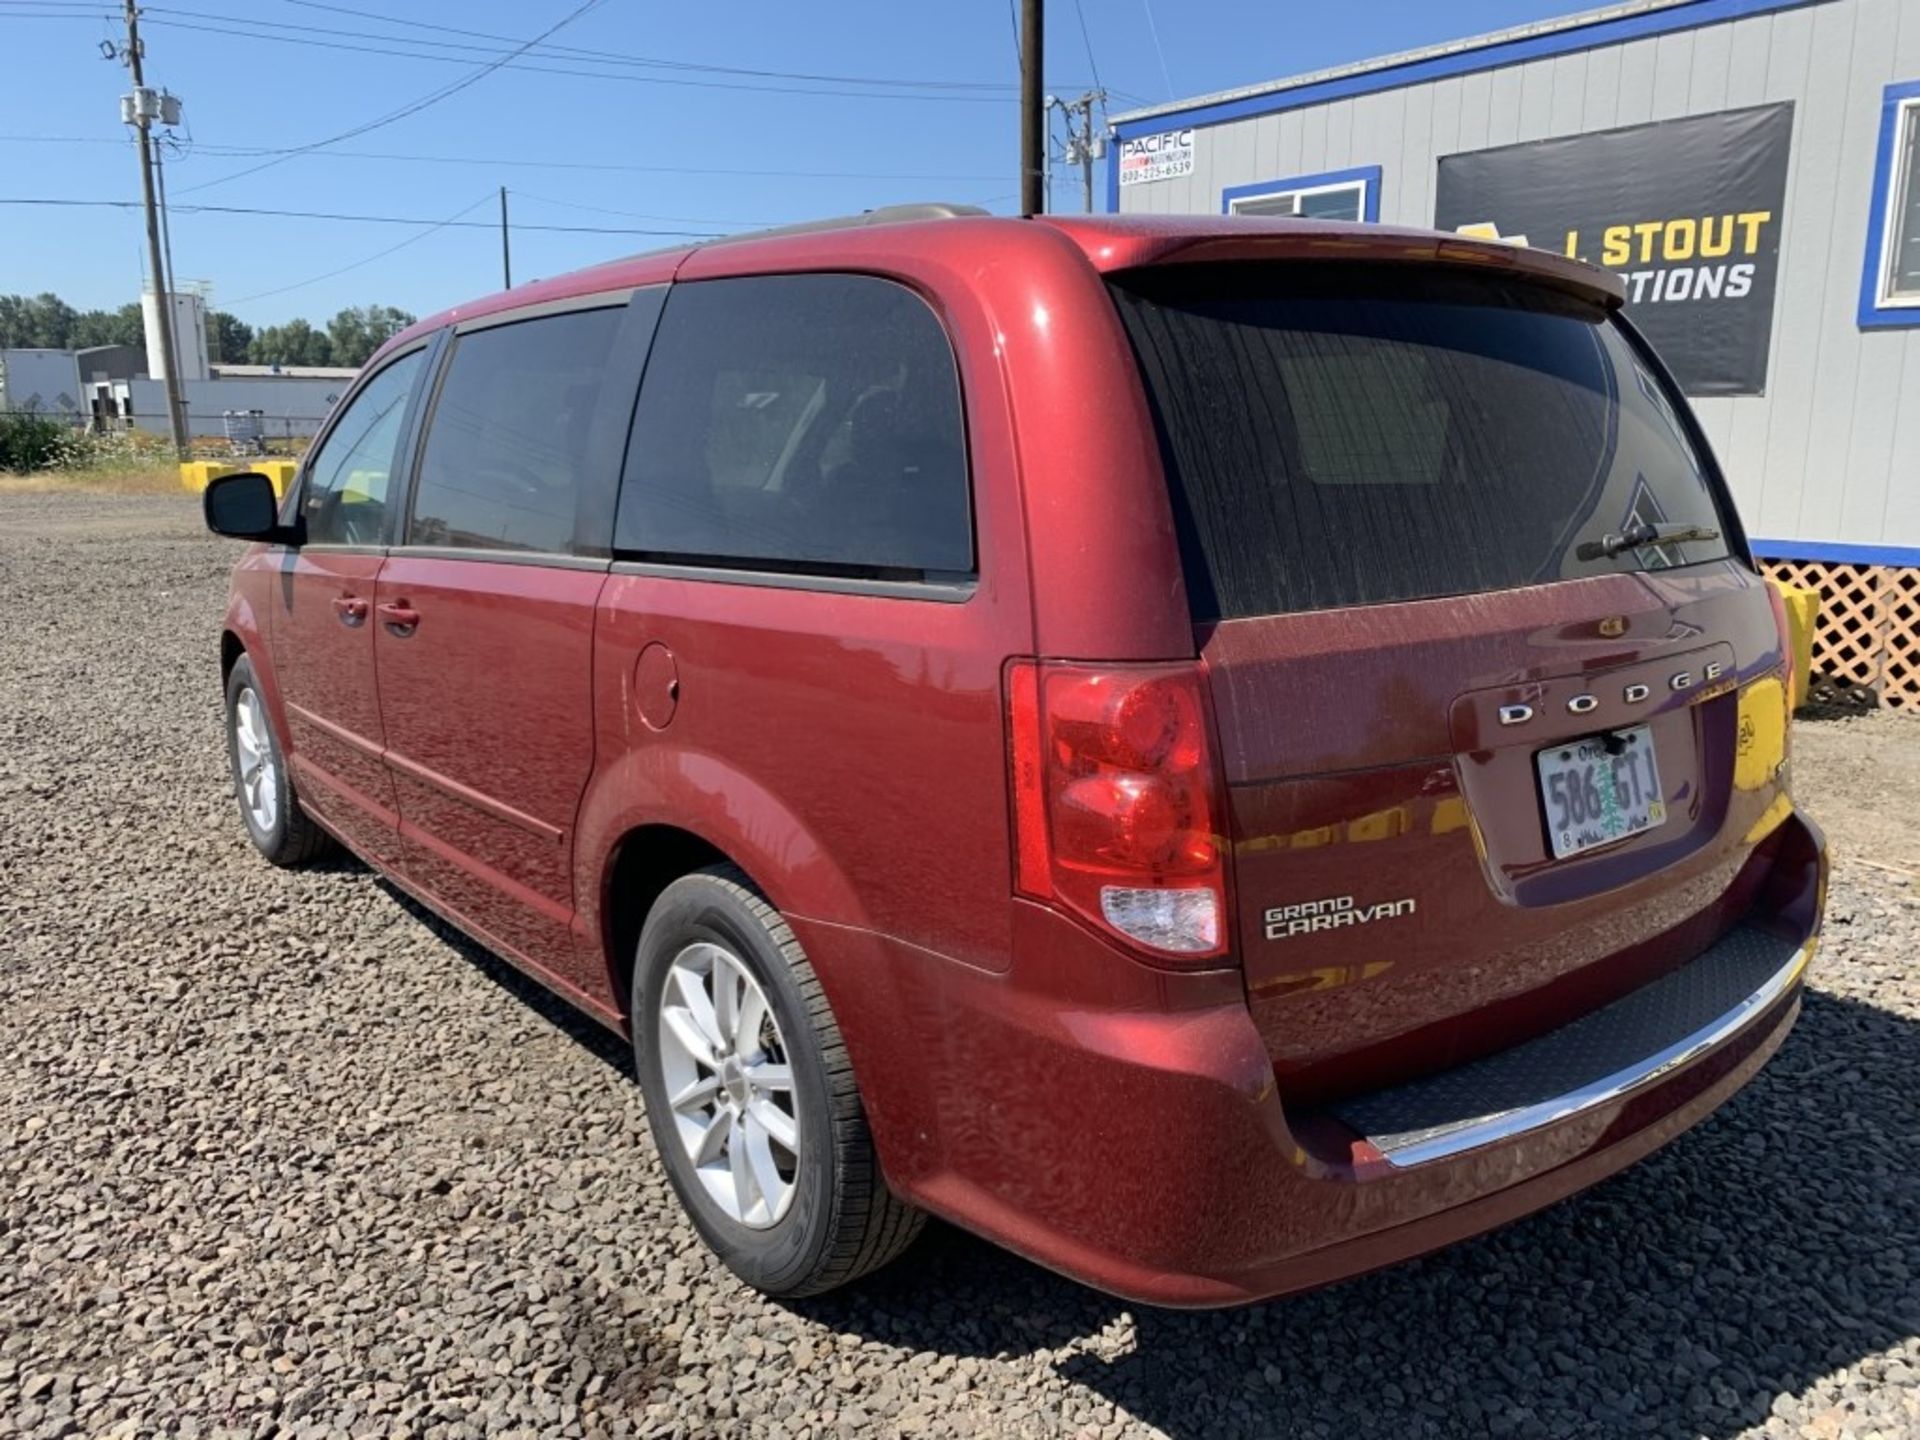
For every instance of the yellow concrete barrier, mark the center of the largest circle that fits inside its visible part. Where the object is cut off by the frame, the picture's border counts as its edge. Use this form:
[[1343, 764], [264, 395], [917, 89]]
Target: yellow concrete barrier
[[1803, 613], [198, 474], [279, 471]]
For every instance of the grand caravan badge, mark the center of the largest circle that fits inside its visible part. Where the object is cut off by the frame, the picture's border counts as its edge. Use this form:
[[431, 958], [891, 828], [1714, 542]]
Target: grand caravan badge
[[1336, 912]]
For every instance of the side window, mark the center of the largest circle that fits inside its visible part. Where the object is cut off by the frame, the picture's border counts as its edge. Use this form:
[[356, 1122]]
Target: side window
[[1337, 195], [1903, 212], [351, 474], [506, 460], [808, 423], [1890, 289]]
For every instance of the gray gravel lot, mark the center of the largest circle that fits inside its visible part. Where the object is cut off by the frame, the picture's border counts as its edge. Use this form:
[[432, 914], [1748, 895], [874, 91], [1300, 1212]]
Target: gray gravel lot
[[280, 1154]]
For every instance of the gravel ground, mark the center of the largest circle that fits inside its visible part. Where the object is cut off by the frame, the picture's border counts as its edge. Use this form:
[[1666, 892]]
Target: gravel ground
[[279, 1154]]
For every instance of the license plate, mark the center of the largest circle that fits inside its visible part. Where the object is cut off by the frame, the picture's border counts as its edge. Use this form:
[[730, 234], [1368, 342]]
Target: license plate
[[1600, 790]]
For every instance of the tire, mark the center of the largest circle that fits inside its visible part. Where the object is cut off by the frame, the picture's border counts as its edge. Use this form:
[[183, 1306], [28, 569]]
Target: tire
[[278, 827], [836, 1220]]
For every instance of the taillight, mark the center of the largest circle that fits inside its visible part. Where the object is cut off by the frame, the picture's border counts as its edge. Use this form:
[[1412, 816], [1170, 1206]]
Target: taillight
[[1116, 812]]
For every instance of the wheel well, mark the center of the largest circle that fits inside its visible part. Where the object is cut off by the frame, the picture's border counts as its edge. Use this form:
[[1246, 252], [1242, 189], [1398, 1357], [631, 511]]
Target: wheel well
[[646, 862], [230, 652]]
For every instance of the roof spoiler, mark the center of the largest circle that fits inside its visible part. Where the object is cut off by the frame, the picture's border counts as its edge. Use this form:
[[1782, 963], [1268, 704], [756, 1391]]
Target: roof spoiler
[[1541, 267], [1167, 240]]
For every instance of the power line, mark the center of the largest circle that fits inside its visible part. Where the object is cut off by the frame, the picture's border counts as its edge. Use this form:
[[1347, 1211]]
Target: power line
[[412, 107], [238, 151], [249, 28], [1154, 31], [377, 255], [358, 219], [307, 42], [1086, 37], [634, 214], [627, 58]]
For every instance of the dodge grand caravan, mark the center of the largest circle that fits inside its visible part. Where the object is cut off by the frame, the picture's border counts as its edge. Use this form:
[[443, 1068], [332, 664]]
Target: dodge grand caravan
[[1218, 754]]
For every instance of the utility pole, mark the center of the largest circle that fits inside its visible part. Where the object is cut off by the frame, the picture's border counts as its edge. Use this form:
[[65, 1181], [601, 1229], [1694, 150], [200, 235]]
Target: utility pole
[[1083, 145], [142, 111], [1033, 110], [506, 254], [166, 250]]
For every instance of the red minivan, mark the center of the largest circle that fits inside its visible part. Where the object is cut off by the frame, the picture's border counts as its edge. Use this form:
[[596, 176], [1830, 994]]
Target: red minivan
[[1215, 753]]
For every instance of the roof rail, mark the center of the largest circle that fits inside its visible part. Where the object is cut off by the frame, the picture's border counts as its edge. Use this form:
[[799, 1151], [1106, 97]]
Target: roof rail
[[884, 215]]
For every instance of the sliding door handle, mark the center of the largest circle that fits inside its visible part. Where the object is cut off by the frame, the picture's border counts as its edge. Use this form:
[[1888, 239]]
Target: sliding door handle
[[400, 618]]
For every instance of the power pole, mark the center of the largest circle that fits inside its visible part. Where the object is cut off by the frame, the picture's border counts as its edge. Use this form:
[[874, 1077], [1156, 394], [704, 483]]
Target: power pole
[[142, 112], [1033, 110], [166, 249], [506, 254], [1083, 145]]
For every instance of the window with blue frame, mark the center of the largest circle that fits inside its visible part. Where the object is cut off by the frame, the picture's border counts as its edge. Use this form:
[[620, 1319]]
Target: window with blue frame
[[1890, 284], [1334, 195]]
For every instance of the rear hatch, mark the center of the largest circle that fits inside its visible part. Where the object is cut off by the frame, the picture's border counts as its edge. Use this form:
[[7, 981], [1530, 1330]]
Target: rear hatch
[[1480, 752]]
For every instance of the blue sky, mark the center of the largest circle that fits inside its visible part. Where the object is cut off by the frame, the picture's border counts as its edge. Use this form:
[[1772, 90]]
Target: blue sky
[[675, 153]]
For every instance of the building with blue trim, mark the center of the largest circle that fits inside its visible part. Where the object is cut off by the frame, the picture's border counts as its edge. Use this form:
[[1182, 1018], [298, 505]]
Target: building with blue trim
[[1791, 262]]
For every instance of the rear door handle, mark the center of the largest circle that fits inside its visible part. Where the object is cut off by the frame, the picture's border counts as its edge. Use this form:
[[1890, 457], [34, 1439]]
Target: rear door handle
[[400, 618], [351, 609]]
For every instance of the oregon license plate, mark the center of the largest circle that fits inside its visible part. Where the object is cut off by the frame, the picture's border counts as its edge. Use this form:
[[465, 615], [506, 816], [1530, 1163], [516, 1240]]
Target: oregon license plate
[[1599, 790]]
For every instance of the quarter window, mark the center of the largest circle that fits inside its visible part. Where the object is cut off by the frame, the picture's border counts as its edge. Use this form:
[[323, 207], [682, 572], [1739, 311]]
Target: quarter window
[[350, 476], [806, 423], [507, 462]]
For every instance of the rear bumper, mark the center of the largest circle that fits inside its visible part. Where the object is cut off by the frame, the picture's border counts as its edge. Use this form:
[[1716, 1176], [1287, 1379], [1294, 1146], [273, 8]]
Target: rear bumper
[[1141, 1144], [1607, 1055]]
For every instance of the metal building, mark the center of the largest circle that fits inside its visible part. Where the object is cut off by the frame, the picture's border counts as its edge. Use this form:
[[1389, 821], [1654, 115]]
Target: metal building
[[41, 382], [291, 402], [1751, 168]]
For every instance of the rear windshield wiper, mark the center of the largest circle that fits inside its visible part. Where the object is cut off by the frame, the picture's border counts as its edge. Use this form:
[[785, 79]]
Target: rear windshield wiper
[[1609, 546]]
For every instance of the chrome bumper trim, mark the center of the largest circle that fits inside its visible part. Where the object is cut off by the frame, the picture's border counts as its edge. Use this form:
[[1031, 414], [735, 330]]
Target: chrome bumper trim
[[1512, 1123]]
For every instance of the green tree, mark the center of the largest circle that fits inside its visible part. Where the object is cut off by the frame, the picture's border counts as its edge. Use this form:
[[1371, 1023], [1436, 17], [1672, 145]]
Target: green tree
[[294, 343], [358, 331], [350, 338], [36, 321], [13, 321], [230, 339], [109, 327]]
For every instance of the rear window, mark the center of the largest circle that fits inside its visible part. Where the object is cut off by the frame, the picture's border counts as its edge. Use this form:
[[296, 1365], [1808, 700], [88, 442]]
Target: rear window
[[1350, 435]]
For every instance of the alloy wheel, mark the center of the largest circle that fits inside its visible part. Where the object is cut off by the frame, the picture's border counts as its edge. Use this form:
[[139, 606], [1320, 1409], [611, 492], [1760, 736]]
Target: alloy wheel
[[259, 774], [729, 1084]]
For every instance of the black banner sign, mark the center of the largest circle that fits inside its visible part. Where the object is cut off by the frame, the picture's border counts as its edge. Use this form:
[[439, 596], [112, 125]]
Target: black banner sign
[[1686, 212]]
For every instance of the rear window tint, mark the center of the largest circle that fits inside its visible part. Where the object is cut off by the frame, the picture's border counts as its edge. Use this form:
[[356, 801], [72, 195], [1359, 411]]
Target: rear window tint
[[1349, 435], [799, 422]]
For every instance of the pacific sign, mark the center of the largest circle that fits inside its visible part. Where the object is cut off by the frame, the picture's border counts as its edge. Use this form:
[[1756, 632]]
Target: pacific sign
[[1156, 157]]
